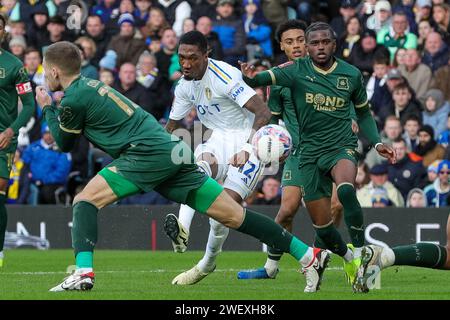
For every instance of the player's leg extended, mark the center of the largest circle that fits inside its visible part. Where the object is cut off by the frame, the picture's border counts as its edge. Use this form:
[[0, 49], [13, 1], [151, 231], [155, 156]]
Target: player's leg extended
[[3, 216], [290, 202], [105, 188]]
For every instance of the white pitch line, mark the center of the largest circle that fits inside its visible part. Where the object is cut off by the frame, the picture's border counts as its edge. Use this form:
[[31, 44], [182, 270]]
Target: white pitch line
[[43, 273]]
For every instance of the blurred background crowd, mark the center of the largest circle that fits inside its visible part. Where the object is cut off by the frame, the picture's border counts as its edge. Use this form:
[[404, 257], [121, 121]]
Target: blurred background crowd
[[400, 46]]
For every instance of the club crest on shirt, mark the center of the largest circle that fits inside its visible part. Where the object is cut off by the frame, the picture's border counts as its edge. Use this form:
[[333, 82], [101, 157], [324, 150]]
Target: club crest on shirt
[[2, 73], [342, 83], [208, 93], [287, 175]]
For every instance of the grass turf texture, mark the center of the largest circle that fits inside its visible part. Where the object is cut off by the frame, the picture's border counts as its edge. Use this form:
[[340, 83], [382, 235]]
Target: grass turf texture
[[28, 274]]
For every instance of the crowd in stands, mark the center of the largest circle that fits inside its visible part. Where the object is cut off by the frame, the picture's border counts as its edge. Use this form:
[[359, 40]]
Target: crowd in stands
[[400, 46]]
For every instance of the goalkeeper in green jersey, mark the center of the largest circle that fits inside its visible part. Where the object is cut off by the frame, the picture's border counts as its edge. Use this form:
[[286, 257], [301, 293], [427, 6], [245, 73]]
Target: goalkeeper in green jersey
[[324, 91], [14, 84], [146, 158]]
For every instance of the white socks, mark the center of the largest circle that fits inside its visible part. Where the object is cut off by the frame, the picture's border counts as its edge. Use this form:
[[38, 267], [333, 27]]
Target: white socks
[[271, 267], [218, 233], [185, 216], [387, 258]]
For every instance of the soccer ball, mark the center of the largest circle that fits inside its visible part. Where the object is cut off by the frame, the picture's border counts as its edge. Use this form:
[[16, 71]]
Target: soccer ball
[[272, 143]]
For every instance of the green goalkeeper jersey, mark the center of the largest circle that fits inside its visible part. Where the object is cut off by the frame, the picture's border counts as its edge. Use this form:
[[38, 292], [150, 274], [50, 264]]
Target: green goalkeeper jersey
[[109, 120], [14, 83], [281, 104], [323, 101]]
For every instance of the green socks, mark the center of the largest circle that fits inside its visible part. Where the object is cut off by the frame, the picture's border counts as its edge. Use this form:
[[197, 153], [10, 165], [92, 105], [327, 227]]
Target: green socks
[[3, 220], [272, 234], [422, 254], [331, 239], [84, 233], [353, 214]]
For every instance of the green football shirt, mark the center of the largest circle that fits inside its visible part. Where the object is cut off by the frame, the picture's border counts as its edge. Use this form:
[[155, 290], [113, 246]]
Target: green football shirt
[[281, 104], [14, 83], [109, 120], [324, 100]]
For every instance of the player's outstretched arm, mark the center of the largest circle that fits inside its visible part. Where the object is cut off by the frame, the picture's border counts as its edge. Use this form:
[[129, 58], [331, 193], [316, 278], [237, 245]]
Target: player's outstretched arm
[[264, 78], [64, 140]]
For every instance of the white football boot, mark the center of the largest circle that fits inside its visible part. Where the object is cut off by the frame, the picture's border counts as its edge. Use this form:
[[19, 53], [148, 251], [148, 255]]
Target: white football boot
[[76, 281], [191, 276], [314, 271], [176, 232]]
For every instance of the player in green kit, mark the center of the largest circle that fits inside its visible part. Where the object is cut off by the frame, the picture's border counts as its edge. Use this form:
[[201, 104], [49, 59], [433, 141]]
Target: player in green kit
[[146, 158], [14, 84], [324, 90]]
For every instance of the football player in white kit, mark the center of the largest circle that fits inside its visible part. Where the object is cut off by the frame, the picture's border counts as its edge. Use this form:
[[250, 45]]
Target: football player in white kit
[[231, 109]]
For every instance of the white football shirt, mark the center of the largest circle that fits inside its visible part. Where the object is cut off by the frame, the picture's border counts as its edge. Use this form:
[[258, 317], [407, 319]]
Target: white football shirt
[[219, 98]]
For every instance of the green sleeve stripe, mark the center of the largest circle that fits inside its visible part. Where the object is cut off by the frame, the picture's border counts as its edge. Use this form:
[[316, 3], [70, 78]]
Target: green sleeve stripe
[[69, 130], [272, 76], [361, 104]]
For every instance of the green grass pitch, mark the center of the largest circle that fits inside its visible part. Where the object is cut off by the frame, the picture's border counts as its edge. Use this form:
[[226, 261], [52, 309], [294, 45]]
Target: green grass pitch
[[28, 274]]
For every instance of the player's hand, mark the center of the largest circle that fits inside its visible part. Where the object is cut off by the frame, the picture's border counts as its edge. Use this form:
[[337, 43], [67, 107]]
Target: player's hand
[[387, 152], [42, 97], [246, 69], [6, 137], [355, 127], [239, 159]]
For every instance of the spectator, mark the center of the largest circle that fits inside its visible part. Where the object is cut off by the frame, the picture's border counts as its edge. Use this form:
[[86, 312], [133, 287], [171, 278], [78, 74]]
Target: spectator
[[382, 16], [156, 24], [87, 69], [444, 136], [349, 38], [258, 31], [432, 171], [436, 111], [404, 104], [80, 167], [48, 166], [188, 25], [438, 192], [411, 132], [33, 66], [125, 6], [407, 7], [399, 58], [405, 174], [15, 187], [379, 179], [176, 11], [95, 29], [275, 11], [380, 198], [362, 175], [130, 88], [441, 17], [425, 29], [88, 46], [397, 36], [271, 192], [392, 131], [436, 52], [441, 80], [423, 11], [204, 25], [142, 12], [428, 148], [364, 53], [416, 199], [17, 45], [37, 30], [18, 28], [106, 9], [204, 8], [106, 76], [109, 61], [231, 32], [56, 28], [127, 47], [377, 90], [347, 10], [169, 43], [28, 8], [148, 75], [416, 73]]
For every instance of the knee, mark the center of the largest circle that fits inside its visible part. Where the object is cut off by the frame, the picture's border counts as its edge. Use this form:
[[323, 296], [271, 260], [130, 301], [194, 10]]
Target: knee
[[82, 196], [285, 215]]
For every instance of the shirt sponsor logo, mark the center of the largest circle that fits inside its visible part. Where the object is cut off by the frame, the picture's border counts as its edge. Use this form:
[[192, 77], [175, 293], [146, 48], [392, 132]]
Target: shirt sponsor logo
[[23, 88], [236, 90], [324, 103], [342, 83]]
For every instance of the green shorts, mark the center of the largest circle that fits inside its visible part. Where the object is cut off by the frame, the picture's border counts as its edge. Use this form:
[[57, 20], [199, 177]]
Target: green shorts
[[6, 161], [291, 172], [138, 171], [315, 178]]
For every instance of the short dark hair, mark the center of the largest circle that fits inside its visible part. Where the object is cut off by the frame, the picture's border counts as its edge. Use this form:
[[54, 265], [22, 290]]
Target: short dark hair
[[414, 117], [4, 19], [29, 50], [398, 140], [403, 86], [66, 56], [195, 38], [289, 25], [320, 26]]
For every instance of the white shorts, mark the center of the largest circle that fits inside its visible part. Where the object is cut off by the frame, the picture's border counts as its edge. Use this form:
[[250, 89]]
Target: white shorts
[[241, 180]]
